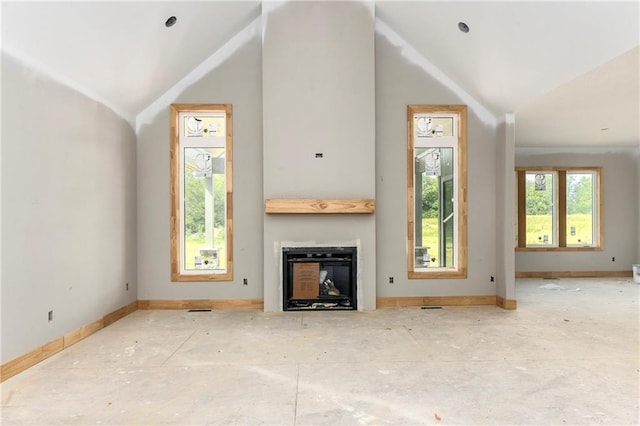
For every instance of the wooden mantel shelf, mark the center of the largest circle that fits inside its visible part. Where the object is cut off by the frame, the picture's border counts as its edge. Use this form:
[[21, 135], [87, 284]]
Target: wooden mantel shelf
[[319, 205]]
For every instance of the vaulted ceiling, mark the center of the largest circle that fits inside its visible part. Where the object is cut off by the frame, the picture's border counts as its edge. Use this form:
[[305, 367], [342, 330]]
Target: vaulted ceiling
[[567, 70]]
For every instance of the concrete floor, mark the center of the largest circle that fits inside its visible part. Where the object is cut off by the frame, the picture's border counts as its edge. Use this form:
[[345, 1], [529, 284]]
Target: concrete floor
[[568, 355]]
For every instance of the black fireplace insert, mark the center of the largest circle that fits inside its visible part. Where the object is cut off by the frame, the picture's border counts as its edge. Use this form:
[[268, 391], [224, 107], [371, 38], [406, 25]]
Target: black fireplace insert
[[319, 278]]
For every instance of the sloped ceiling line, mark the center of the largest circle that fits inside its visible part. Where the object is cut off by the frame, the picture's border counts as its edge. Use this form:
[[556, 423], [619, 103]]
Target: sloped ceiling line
[[414, 57], [255, 27], [236, 42], [46, 72], [520, 57]]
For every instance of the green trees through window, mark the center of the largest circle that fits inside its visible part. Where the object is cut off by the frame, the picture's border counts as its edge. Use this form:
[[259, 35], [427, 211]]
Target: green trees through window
[[580, 208], [195, 196], [201, 197], [541, 195], [559, 208], [437, 238]]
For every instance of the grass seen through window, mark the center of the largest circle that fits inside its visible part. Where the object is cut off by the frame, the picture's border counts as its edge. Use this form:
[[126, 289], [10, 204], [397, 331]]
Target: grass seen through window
[[559, 208], [540, 225]]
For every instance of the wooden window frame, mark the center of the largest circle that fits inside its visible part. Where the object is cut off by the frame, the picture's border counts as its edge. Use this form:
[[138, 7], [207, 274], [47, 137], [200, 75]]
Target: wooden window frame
[[460, 269], [561, 208], [176, 181]]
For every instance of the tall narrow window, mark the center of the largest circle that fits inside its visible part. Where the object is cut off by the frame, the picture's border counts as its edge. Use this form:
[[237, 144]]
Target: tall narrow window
[[559, 208], [201, 197], [437, 185]]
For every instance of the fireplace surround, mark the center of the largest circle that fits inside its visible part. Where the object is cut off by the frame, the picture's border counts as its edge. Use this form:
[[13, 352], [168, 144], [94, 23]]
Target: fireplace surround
[[318, 151], [319, 278]]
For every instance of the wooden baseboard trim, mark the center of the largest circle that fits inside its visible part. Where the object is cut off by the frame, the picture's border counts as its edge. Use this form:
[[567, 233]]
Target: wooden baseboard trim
[[202, 304], [575, 274], [23, 362], [400, 302], [120, 313], [508, 304]]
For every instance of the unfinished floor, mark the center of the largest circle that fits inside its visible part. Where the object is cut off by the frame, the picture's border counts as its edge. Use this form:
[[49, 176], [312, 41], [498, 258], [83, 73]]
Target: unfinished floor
[[568, 355]]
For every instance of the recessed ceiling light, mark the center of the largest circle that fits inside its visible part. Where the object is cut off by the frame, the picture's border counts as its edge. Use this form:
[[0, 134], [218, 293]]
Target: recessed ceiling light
[[170, 22], [463, 27]]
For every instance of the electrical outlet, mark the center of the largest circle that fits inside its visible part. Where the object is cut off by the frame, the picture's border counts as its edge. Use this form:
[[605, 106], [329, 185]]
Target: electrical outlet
[[492, 279], [127, 286], [245, 281], [613, 259], [390, 280], [50, 316]]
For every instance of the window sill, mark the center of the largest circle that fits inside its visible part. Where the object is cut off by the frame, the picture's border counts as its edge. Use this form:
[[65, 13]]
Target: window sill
[[437, 273], [558, 248], [228, 276]]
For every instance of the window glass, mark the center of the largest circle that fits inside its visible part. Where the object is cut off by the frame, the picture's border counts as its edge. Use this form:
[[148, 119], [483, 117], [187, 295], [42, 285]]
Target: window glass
[[434, 215], [580, 208], [427, 126], [204, 125], [201, 232], [541, 212], [204, 212], [437, 188], [559, 208]]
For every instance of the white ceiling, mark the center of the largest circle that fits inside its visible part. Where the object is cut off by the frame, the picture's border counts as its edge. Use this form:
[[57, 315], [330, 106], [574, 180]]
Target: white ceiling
[[566, 69], [120, 52], [531, 58]]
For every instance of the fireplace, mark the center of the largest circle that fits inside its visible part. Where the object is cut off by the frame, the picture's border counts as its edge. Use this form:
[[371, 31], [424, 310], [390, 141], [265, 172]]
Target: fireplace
[[319, 278]]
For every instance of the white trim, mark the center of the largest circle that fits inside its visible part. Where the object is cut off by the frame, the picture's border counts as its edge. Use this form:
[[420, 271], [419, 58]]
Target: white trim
[[196, 142], [453, 143]]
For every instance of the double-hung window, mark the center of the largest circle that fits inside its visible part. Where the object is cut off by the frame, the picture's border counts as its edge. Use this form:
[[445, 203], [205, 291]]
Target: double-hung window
[[559, 208], [201, 196], [437, 186]]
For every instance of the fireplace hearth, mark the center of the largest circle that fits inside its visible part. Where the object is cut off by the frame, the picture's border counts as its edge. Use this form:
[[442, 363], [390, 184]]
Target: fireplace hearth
[[319, 278]]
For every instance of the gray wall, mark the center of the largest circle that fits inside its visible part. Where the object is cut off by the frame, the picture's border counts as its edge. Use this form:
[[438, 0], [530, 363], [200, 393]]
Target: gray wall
[[620, 210], [236, 81], [371, 107], [399, 83], [68, 210], [506, 201], [318, 97], [78, 223], [637, 259]]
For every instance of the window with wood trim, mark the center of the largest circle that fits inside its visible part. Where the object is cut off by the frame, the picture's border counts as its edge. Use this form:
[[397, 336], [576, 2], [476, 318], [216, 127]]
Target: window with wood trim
[[559, 208], [201, 193], [437, 188]]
